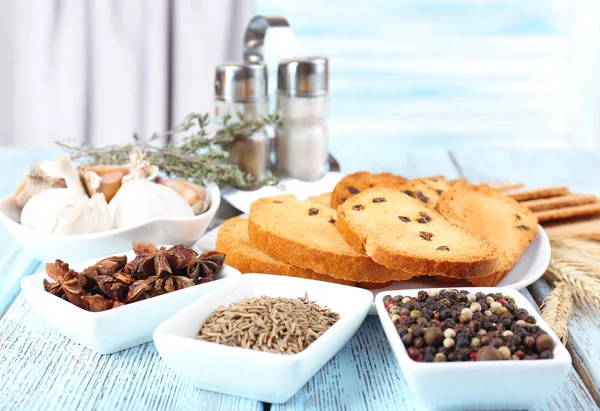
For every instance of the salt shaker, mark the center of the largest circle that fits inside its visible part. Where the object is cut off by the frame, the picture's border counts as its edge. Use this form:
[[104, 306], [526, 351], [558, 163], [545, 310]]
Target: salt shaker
[[303, 100], [241, 89]]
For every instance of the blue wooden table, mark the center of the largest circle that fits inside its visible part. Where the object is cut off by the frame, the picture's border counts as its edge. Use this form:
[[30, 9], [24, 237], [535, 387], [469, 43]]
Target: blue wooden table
[[41, 369]]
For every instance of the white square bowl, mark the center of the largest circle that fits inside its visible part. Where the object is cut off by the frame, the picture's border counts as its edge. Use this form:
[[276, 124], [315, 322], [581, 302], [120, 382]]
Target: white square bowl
[[258, 375], [479, 385], [119, 328]]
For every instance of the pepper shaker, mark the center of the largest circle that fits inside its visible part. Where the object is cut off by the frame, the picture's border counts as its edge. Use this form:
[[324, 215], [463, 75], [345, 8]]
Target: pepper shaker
[[303, 100], [241, 90]]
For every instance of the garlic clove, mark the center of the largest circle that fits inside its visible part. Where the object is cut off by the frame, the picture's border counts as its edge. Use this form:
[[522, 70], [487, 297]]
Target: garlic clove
[[90, 181], [71, 175], [110, 178], [35, 182], [194, 194]]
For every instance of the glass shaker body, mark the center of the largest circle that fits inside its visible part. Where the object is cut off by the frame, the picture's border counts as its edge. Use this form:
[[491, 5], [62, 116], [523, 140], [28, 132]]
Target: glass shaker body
[[301, 142], [250, 154]]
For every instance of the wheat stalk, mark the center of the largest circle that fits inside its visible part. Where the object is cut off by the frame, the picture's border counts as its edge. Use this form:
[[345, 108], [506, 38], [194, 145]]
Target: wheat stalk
[[557, 309], [584, 288], [590, 247], [575, 260]]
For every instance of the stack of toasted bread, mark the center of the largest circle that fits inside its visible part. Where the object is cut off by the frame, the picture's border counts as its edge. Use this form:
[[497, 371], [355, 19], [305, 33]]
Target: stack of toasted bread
[[375, 228]]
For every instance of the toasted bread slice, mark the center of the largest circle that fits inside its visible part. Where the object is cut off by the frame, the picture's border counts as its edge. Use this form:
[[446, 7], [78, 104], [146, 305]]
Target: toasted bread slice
[[427, 190], [324, 199], [398, 231], [497, 218], [303, 234], [242, 254], [354, 183]]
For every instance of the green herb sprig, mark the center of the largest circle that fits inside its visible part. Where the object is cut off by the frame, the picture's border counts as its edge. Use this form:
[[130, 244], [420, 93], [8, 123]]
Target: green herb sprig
[[198, 157]]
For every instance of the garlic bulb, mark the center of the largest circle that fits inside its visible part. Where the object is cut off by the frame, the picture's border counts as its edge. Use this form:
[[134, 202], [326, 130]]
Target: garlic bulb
[[139, 200], [67, 210], [44, 176], [194, 194]]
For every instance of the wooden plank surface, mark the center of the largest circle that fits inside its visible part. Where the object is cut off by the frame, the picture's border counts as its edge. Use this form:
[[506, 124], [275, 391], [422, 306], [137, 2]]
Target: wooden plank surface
[[577, 169], [40, 369], [584, 334], [15, 264]]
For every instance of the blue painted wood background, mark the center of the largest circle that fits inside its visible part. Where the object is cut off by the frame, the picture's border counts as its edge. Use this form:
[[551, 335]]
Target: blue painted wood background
[[448, 73]]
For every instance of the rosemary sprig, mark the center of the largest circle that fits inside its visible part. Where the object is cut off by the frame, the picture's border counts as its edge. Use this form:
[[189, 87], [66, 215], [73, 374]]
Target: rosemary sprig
[[198, 157]]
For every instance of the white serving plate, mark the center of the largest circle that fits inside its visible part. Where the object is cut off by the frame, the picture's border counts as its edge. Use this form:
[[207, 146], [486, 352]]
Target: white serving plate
[[48, 247], [117, 329], [261, 376], [530, 268], [483, 385], [241, 199]]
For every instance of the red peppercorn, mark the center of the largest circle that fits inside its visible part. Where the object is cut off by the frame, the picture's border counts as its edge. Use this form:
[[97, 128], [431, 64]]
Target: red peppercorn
[[473, 355], [520, 354], [389, 306], [436, 315], [501, 301]]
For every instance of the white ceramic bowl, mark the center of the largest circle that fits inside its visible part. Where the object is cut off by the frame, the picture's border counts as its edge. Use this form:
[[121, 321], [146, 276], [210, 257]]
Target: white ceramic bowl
[[258, 375], [479, 385], [48, 247], [117, 329]]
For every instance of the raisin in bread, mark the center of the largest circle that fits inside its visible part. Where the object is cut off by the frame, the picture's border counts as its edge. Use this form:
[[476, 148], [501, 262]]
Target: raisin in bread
[[494, 216], [398, 231], [242, 254], [354, 183], [303, 234], [324, 199], [426, 190]]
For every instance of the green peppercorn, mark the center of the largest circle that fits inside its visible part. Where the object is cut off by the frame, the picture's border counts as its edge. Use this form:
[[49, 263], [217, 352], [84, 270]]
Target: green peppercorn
[[475, 342], [395, 310], [415, 314]]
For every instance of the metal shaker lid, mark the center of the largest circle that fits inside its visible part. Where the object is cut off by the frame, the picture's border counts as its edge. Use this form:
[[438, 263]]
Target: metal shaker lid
[[241, 82], [303, 77]]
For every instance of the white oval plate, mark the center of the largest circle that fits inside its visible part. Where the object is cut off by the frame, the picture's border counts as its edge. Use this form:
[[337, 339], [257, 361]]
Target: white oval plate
[[241, 199], [530, 268], [48, 247]]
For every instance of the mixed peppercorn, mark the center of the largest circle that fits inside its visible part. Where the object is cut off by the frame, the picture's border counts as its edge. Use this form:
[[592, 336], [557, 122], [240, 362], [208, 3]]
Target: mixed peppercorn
[[452, 325]]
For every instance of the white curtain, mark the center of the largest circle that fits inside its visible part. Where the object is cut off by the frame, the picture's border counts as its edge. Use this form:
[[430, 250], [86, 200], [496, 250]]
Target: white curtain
[[95, 71]]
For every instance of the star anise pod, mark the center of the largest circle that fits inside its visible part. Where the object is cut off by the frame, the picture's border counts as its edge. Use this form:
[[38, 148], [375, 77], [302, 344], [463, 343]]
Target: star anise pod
[[136, 291], [111, 287], [143, 248], [108, 266], [70, 283], [204, 266], [96, 303], [180, 256]]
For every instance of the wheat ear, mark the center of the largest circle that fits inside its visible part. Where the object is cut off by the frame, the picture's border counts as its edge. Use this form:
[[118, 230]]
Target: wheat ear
[[557, 309]]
